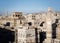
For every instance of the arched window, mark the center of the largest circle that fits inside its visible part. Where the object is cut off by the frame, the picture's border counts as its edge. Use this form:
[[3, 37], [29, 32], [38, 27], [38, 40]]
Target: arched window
[[42, 24], [20, 22], [29, 23], [8, 24]]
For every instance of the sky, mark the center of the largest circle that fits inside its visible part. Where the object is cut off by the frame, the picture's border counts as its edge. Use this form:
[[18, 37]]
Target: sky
[[28, 5]]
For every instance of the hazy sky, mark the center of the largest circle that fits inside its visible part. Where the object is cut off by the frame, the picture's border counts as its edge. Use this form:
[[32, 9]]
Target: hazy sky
[[29, 5]]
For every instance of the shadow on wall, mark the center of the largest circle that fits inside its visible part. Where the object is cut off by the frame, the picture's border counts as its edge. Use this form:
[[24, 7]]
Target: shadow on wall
[[6, 36], [54, 25]]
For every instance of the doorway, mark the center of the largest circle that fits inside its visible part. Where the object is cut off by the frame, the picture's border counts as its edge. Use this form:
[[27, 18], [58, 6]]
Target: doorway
[[42, 36], [6, 36]]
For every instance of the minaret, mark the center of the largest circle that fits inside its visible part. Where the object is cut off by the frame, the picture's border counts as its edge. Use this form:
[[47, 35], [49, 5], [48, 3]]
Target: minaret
[[48, 27], [49, 24], [49, 9], [6, 13]]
